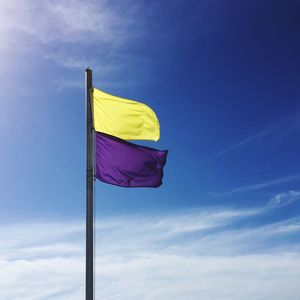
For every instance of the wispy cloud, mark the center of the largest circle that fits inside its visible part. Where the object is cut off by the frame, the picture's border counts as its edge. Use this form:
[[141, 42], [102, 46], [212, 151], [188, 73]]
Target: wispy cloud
[[64, 21], [258, 186], [275, 130], [188, 255], [283, 199], [71, 34], [246, 141]]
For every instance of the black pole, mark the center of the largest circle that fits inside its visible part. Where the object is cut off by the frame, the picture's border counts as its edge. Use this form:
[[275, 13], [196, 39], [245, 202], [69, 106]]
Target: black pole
[[89, 272]]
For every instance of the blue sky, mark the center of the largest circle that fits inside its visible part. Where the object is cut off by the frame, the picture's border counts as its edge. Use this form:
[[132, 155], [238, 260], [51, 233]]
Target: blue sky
[[223, 79]]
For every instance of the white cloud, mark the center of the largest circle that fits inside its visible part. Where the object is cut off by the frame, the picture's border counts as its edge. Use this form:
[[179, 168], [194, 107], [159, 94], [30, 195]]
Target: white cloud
[[276, 131], [72, 35], [258, 186], [63, 21], [191, 277], [246, 141], [283, 199], [188, 255]]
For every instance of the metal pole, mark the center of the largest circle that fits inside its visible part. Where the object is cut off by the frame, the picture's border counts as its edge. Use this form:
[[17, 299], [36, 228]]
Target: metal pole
[[89, 272]]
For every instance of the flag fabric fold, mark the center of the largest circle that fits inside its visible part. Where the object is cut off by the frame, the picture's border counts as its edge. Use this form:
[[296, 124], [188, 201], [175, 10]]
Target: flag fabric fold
[[125, 164], [123, 118]]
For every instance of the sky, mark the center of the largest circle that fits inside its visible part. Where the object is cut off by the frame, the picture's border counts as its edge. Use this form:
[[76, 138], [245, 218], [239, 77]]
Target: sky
[[223, 79]]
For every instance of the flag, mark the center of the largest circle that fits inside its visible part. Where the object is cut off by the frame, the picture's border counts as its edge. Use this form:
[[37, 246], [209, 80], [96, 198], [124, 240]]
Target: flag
[[125, 164], [123, 118]]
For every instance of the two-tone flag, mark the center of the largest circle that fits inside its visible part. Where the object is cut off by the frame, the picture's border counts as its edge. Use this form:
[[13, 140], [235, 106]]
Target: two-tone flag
[[118, 161], [110, 122]]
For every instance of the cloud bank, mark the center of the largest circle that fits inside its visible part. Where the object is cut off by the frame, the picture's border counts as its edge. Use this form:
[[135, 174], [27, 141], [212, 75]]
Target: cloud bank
[[213, 254]]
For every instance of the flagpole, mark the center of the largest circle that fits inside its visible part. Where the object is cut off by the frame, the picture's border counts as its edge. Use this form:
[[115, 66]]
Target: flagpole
[[89, 271]]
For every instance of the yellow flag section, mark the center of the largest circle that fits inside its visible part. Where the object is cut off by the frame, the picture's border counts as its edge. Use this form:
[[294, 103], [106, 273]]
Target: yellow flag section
[[123, 118]]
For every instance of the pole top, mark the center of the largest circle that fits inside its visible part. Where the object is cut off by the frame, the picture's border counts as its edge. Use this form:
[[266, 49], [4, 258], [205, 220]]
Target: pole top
[[88, 69]]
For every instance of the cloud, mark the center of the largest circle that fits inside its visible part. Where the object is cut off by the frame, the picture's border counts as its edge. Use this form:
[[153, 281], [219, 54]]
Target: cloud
[[72, 35], [246, 141], [64, 21], [207, 254], [283, 199], [257, 186], [276, 131]]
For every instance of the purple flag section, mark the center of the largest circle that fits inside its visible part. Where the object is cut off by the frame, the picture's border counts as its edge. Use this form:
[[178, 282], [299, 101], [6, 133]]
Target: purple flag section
[[125, 164]]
